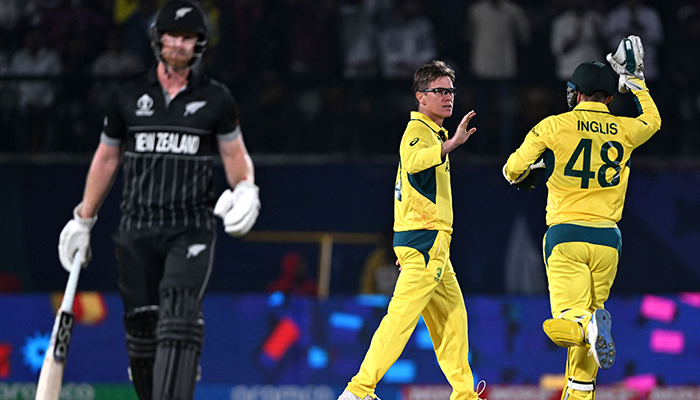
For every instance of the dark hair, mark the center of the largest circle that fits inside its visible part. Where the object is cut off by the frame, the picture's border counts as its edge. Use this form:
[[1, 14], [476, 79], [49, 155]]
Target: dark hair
[[429, 72], [599, 96]]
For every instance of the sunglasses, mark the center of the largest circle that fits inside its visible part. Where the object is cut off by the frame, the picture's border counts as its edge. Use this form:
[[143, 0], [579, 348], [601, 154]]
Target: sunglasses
[[441, 90]]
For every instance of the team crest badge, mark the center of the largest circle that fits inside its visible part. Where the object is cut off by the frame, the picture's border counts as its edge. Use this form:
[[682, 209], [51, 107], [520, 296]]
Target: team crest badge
[[437, 276]]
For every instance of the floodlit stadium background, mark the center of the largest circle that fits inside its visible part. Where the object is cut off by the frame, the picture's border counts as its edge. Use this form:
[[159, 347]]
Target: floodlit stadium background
[[325, 145]]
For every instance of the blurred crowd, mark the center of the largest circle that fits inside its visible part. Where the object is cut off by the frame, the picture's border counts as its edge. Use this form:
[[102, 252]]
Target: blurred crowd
[[334, 76]]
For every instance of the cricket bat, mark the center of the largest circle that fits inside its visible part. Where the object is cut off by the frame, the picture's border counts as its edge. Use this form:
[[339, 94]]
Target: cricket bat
[[51, 377]]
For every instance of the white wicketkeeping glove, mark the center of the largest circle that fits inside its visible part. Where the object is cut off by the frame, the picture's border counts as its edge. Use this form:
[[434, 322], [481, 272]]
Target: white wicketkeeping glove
[[239, 208], [628, 61], [532, 168], [75, 236]]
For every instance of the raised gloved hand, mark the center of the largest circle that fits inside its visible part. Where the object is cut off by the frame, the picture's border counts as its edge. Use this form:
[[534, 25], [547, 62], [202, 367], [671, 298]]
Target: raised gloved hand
[[628, 61], [75, 236], [239, 208], [528, 179]]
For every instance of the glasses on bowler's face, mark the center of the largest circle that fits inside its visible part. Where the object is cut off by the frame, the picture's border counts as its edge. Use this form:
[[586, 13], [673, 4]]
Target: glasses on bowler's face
[[441, 90]]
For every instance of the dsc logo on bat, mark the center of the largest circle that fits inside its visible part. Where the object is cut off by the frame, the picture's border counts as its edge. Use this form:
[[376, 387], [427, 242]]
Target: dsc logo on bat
[[63, 336]]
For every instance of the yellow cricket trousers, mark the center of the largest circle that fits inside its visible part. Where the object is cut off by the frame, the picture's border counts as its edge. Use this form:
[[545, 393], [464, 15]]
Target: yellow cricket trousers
[[581, 260], [426, 286]]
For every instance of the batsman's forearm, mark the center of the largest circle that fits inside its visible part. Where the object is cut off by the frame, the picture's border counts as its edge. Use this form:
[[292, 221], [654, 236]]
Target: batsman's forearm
[[249, 168], [103, 171], [238, 165]]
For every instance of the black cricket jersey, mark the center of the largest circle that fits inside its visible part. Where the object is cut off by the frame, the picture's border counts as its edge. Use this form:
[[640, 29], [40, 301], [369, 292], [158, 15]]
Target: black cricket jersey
[[169, 145]]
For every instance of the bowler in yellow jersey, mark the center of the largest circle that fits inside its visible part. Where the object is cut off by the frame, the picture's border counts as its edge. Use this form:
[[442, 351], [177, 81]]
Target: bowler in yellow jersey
[[586, 153], [427, 284]]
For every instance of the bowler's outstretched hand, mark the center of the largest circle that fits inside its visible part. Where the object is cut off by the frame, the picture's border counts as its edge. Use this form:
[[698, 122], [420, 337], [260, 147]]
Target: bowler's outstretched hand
[[461, 135]]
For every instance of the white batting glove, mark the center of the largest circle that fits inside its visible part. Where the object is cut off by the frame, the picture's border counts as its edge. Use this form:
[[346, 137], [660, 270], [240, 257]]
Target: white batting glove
[[75, 236], [239, 208], [628, 61]]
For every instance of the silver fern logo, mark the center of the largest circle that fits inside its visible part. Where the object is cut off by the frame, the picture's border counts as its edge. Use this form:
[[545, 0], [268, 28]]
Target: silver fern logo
[[193, 250], [193, 106], [181, 12]]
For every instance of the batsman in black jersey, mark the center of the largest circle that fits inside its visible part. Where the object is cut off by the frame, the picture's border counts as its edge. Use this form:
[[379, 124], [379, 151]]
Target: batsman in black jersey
[[165, 127]]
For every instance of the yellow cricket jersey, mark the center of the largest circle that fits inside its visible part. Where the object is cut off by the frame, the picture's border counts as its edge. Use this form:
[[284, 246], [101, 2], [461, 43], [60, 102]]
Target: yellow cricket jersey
[[423, 192], [588, 162]]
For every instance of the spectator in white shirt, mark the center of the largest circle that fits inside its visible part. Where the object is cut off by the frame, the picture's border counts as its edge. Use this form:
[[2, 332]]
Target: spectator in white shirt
[[577, 37], [36, 96], [407, 42]]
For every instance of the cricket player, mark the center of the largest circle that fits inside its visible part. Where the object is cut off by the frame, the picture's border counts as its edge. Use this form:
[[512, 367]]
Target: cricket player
[[164, 127], [427, 284], [586, 153]]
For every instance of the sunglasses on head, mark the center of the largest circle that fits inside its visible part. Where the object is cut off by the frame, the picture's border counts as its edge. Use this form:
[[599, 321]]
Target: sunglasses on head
[[441, 90]]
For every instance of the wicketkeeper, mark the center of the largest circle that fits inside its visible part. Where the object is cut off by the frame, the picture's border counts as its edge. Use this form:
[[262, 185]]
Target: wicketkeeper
[[586, 154]]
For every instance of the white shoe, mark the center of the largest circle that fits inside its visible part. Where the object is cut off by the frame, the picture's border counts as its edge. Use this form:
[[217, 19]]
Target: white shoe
[[600, 339], [348, 395]]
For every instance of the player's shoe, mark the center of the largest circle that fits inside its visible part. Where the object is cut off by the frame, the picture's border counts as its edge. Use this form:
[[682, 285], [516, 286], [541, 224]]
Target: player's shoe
[[600, 338], [348, 395]]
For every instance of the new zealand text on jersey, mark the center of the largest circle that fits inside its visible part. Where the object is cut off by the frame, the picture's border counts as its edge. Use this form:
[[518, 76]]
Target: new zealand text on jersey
[[166, 142]]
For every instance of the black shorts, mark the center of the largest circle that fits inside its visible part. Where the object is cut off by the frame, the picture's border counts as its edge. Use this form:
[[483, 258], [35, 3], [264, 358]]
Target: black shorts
[[155, 259]]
